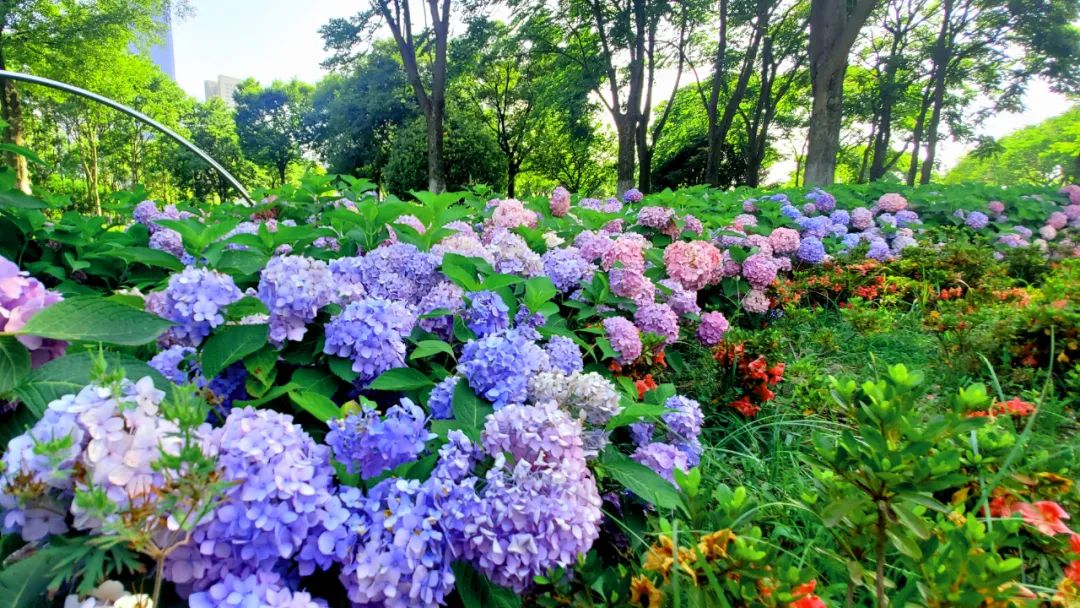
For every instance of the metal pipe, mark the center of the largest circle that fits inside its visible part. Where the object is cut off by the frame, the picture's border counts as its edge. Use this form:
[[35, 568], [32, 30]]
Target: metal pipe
[[136, 115]]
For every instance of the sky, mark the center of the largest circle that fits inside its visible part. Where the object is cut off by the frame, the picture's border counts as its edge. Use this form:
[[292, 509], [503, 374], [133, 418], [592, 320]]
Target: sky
[[279, 40]]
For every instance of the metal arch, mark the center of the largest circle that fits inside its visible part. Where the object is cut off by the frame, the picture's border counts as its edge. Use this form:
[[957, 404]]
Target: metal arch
[[136, 115]]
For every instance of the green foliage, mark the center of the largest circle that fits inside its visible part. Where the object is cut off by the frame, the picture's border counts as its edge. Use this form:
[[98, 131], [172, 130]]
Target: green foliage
[[1042, 153]]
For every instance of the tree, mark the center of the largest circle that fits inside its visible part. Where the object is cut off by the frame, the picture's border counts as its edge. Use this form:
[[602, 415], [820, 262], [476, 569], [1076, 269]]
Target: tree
[[270, 122], [834, 25], [49, 36], [342, 35], [213, 130], [472, 157]]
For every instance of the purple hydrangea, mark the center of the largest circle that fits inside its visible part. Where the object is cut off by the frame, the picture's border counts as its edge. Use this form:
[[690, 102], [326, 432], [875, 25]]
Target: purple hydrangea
[[512, 255], [684, 419], [811, 250], [683, 301], [447, 296], [624, 337], [790, 212], [528, 323], [906, 217], [498, 366], [756, 301], [564, 354], [194, 300], [879, 250], [169, 241], [263, 589], [441, 400], [712, 328], [663, 458], [823, 201], [841, 217], [567, 268], [976, 220], [658, 319], [21, 297], [659, 218], [369, 445], [593, 245], [861, 218], [371, 332], [486, 313], [294, 288], [817, 227], [560, 202], [633, 195], [760, 270], [399, 273]]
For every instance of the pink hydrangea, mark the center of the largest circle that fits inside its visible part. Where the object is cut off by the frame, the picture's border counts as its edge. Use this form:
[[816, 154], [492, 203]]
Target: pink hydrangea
[[656, 217], [762, 242], [1048, 232], [692, 224], [728, 267], [624, 337], [560, 202], [712, 328], [890, 203], [784, 240], [632, 284], [628, 249], [1058, 220], [1073, 192], [593, 245], [1073, 211], [996, 207], [861, 218], [694, 264], [613, 227], [743, 220], [756, 301], [511, 213], [759, 270], [21, 297]]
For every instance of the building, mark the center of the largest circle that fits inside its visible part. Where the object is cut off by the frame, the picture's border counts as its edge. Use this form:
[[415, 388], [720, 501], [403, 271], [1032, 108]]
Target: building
[[221, 88], [162, 54]]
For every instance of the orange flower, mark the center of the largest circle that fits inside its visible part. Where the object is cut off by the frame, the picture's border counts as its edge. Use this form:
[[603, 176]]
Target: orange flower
[[1072, 571], [644, 385], [744, 406], [1045, 515], [806, 597], [714, 545], [661, 557], [644, 594], [1015, 407], [1074, 543]]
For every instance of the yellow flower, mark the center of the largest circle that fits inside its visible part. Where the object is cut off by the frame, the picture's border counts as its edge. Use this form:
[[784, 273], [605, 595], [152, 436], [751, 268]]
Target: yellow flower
[[644, 594], [661, 557], [714, 545]]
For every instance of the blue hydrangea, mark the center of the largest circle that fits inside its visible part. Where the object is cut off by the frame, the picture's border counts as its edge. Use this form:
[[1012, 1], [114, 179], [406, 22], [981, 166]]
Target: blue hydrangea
[[823, 201], [663, 458], [177, 364], [174, 363], [399, 272], [445, 295], [633, 195], [194, 300], [818, 226], [840, 216], [811, 250], [486, 313], [372, 333], [976, 220], [564, 354], [528, 324], [348, 283], [169, 241], [441, 400], [567, 268], [907, 217], [369, 445], [790, 212], [684, 418], [294, 288], [879, 249], [498, 367], [262, 589]]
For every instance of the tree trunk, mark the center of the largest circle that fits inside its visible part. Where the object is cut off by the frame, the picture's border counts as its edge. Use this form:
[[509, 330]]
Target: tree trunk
[[833, 29], [625, 163], [942, 58], [916, 138], [11, 110], [512, 168], [436, 175]]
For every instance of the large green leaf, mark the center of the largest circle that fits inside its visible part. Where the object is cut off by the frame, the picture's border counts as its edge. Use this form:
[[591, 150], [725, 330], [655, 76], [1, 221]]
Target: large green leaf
[[401, 379], [14, 362], [315, 380], [641, 480], [95, 319], [469, 410], [315, 404], [19, 200], [23, 583], [230, 344], [476, 591], [70, 374]]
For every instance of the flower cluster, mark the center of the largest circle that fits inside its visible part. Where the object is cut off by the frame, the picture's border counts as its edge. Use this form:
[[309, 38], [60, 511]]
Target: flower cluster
[[754, 377], [194, 299], [560, 202], [624, 337], [294, 288], [498, 366], [567, 268], [371, 332], [486, 313], [21, 297], [399, 272], [369, 445], [694, 264]]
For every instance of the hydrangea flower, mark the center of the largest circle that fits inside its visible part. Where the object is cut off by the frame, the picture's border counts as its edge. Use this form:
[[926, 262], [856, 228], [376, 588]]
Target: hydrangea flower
[[21, 297], [294, 288], [627, 250], [498, 366], [840, 216], [658, 319], [486, 313], [263, 589], [567, 268], [811, 250], [712, 328], [564, 354], [890, 203], [756, 301], [371, 332], [823, 201], [1057, 220], [663, 458], [369, 445], [976, 220], [465, 244], [659, 218], [790, 212], [528, 323], [817, 227], [399, 273], [633, 195], [447, 296], [586, 396], [682, 301], [560, 202], [592, 245], [906, 217], [632, 284], [1048, 232], [784, 240], [624, 337], [759, 270], [694, 264], [441, 400], [194, 300], [861, 218], [511, 213], [167, 240], [512, 255], [879, 249]]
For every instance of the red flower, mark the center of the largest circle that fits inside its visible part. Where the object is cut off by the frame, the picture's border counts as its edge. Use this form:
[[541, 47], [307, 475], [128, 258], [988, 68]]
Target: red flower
[[1047, 516], [1015, 407], [1074, 543], [1072, 571], [744, 406], [807, 599], [763, 393], [644, 385], [776, 373]]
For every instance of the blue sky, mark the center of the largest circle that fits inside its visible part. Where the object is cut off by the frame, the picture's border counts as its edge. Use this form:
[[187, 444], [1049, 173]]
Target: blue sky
[[279, 39]]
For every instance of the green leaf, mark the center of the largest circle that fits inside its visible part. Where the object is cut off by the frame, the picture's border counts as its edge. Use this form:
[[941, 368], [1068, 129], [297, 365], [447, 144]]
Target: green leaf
[[470, 410], [20, 200], [427, 348], [342, 368], [95, 319], [496, 281], [230, 344], [401, 379], [317, 405], [145, 256], [14, 363], [636, 412], [912, 522], [71, 373], [276, 392], [315, 380], [538, 291], [23, 583], [640, 480], [476, 591]]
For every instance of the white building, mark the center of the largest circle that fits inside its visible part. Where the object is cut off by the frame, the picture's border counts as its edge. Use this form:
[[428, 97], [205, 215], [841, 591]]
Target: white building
[[221, 88]]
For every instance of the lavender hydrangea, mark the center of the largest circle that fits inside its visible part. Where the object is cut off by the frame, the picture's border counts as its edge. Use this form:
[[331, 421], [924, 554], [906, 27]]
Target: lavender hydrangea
[[498, 367], [823, 201], [633, 195], [564, 354], [976, 220], [811, 250], [567, 268], [399, 273], [712, 328], [624, 337], [194, 300], [683, 301], [371, 332], [658, 319], [512, 255], [663, 458], [861, 218], [446, 296], [486, 313], [264, 589], [441, 400], [759, 270], [369, 445], [21, 297], [294, 288]]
